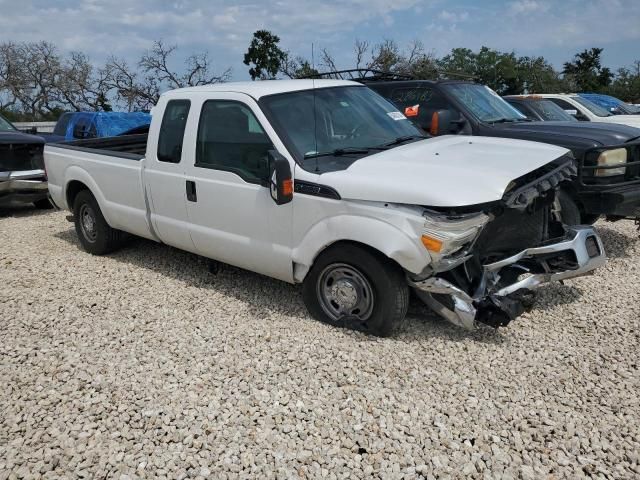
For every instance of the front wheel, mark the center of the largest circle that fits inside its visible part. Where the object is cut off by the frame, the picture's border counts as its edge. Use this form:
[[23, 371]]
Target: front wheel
[[94, 233], [566, 209], [353, 287]]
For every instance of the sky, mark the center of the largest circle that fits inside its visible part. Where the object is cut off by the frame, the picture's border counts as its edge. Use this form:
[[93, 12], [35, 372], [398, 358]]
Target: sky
[[127, 28]]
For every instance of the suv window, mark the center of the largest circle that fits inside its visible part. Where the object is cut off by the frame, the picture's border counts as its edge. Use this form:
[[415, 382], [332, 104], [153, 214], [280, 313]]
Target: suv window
[[428, 99], [563, 104], [172, 130], [231, 138]]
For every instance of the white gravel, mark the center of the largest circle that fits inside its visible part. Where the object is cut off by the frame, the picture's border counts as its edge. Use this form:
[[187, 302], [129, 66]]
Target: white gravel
[[143, 364]]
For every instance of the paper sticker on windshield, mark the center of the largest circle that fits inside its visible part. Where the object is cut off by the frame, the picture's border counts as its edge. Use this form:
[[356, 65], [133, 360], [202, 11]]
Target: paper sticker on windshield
[[396, 115]]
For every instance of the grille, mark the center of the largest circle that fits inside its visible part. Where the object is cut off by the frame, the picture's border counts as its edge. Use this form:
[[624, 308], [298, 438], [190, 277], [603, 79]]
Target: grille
[[16, 157], [513, 231]]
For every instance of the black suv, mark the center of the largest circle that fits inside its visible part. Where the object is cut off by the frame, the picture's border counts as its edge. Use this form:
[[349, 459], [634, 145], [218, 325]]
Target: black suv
[[608, 156]]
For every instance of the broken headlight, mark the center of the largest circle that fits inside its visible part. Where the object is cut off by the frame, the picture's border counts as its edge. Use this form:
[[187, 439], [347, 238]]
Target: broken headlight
[[446, 234]]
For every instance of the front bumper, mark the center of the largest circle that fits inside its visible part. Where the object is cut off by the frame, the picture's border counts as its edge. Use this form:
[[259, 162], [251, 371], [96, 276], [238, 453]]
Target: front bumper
[[495, 303], [617, 196], [619, 202], [26, 186]]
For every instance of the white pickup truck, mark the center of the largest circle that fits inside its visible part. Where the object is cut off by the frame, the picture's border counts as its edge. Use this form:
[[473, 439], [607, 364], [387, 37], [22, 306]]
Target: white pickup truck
[[325, 183]]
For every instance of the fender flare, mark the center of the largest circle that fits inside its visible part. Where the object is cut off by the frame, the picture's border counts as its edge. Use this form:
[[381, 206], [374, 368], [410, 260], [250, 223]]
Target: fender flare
[[377, 234], [75, 173]]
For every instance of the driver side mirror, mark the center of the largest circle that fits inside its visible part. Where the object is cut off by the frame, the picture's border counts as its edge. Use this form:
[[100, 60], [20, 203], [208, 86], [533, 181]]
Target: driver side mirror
[[444, 122], [280, 178]]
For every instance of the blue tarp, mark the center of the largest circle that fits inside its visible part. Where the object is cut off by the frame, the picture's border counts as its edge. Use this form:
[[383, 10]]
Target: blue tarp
[[106, 124]]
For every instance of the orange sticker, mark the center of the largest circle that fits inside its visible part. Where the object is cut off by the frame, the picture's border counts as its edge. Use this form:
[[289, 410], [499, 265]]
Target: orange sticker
[[411, 111]]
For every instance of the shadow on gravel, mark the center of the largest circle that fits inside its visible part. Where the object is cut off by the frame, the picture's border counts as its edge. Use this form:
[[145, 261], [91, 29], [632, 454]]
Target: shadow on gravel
[[248, 287], [192, 270], [617, 244], [555, 294], [23, 211]]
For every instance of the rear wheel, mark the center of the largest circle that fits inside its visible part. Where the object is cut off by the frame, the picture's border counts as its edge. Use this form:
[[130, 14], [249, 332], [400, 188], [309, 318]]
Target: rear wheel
[[350, 286], [94, 233]]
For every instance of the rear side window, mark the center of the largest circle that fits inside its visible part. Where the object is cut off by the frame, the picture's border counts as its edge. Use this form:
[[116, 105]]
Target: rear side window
[[231, 138], [172, 131]]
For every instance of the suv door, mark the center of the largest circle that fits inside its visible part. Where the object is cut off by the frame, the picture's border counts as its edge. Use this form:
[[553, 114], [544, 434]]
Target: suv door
[[232, 216], [165, 177]]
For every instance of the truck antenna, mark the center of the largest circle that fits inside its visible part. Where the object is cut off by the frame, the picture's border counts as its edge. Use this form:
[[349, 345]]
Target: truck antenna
[[315, 121]]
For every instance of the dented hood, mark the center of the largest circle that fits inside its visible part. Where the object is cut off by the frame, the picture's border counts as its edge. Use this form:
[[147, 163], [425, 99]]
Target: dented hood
[[448, 171]]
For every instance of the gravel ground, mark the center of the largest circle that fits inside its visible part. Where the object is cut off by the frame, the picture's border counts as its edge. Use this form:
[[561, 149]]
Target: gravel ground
[[143, 364]]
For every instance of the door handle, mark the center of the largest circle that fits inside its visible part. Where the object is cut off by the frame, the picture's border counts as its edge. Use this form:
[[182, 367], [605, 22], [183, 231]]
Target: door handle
[[192, 196]]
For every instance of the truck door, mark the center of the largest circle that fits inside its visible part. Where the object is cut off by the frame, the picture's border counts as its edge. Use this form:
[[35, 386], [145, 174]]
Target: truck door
[[164, 177], [232, 216]]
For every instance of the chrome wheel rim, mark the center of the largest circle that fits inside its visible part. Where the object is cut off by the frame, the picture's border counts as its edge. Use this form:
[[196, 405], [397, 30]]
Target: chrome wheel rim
[[88, 223], [344, 291]]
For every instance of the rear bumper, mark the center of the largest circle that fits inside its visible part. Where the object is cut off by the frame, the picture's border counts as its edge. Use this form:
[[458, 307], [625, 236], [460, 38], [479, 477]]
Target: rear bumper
[[26, 186], [622, 201], [496, 304]]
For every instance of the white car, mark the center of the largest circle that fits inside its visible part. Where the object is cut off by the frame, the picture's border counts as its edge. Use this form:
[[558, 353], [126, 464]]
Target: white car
[[325, 183], [587, 111]]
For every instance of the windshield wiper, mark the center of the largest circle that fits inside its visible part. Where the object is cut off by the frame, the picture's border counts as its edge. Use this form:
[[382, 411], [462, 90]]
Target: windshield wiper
[[339, 151], [400, 140]]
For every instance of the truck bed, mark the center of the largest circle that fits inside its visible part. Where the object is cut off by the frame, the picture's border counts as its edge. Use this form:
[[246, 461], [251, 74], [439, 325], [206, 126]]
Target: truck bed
[[132, 147], [112, 169]]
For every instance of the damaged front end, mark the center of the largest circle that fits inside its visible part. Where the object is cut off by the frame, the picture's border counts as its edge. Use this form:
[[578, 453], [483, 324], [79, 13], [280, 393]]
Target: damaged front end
[[488, 262]]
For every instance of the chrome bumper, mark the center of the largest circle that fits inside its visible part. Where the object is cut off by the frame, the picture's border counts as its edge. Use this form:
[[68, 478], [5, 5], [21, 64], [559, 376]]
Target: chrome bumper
[[23, 181], [466, 310]]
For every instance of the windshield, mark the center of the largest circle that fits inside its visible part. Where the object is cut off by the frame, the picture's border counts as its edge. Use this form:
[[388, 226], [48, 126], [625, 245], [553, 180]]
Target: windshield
[[484, 103], [549, 111], [592, 107], [348, 121], [5, 125], [628, 109]]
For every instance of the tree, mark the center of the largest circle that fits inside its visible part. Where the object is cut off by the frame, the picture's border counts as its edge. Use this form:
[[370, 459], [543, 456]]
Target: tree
[[586, 72], [539, 76], [82, 86], [197, 68], [265, 55]]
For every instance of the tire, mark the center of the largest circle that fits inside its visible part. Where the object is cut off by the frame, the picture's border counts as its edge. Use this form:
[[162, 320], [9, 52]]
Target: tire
[[374, 297], [567, 209], [43, 204], [94, 233]]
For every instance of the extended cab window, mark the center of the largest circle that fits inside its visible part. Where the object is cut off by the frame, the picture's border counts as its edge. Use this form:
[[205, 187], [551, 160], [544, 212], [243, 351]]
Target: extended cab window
[[231, 138], [172, 130]]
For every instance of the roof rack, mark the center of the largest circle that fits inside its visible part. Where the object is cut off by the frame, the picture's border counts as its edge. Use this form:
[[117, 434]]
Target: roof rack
[[360, 74], [372, 75]]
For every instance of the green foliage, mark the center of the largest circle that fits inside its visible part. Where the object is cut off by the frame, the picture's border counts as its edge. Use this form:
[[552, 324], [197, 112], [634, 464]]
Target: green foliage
[[265, 55], [586, 72]]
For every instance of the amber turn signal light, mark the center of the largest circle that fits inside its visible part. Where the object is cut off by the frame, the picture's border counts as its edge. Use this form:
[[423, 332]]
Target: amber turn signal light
[[431, 244]]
